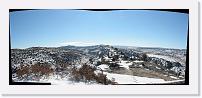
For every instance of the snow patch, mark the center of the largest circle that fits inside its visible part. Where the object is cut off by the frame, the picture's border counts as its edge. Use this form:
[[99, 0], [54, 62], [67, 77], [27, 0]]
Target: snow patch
[[125, 64], [57, 80], [104, 67], [173, 77], [162, 57], [128, 79], [138, 61]]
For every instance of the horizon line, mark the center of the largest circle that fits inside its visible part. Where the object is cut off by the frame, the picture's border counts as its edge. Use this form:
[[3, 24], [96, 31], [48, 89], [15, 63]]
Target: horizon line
[[98, 45]]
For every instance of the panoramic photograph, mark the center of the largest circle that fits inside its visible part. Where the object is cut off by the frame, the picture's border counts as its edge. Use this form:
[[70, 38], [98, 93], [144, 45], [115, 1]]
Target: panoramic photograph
[[98, 47]]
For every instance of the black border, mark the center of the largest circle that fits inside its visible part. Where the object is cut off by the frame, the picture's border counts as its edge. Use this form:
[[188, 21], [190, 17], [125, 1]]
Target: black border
[[185, 11]]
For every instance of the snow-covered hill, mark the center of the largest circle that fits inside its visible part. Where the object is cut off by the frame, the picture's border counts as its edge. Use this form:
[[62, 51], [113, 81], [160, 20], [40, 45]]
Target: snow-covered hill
[[99, 64]]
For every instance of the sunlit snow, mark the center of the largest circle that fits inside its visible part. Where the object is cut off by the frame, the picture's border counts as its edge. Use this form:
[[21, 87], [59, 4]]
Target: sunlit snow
[[128, 79]]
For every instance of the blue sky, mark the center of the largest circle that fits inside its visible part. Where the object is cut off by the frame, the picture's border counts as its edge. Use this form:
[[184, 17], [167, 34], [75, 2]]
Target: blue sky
[[146, 28]]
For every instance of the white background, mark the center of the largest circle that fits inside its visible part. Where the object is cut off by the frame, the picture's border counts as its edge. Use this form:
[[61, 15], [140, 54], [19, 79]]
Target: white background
[[124, 96]]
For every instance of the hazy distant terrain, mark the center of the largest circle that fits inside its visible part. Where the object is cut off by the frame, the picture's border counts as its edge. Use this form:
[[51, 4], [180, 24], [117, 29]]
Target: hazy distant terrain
[[98, 65]]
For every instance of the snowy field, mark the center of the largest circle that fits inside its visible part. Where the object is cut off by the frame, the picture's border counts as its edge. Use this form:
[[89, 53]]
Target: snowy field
[[118, 78], [57, 80], [128, 79]]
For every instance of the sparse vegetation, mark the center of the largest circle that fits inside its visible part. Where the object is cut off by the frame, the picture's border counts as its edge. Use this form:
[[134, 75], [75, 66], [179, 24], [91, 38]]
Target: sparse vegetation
[[87, 74], [144, 57], [37, 70]]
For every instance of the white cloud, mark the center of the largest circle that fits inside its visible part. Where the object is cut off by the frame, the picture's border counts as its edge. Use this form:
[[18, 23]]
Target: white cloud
[[77, 43]]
